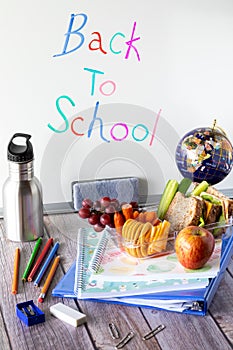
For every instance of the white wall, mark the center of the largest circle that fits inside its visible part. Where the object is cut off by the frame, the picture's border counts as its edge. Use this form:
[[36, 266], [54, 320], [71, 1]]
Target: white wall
[[185, 69]]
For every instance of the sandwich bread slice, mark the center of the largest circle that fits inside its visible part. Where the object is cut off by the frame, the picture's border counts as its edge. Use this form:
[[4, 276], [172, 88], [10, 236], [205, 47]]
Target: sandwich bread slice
[[184, 211]]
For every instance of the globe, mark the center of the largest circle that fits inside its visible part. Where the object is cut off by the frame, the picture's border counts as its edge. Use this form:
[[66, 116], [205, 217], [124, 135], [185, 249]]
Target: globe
[[204, 154]]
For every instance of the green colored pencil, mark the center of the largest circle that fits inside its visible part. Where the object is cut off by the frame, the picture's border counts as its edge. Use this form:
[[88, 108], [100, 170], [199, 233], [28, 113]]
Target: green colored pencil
[[32, 257]]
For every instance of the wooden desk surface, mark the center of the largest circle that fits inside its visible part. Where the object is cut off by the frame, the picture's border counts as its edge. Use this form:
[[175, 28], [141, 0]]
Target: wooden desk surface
[[213, 331]]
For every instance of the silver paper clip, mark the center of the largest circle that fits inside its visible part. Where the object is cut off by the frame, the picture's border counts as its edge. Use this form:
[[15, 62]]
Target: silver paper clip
[[125, 340], [153, 332], [113, 331]]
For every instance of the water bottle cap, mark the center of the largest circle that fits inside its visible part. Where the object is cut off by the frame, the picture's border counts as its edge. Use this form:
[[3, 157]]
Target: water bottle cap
[[20, 152]]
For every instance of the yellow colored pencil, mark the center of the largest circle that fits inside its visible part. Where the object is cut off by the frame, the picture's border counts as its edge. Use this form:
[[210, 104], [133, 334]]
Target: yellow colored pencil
[[49, 279], [15, 279]]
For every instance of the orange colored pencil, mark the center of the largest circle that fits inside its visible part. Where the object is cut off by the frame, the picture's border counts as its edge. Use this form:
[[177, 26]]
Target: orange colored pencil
[[15, 280], [49, 279]]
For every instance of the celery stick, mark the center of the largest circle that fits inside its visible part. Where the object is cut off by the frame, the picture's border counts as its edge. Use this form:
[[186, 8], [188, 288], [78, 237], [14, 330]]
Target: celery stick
[[167, 197], [201, 187]]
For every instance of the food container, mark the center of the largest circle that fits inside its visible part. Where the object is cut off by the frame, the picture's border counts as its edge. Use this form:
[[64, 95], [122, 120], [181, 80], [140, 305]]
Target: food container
[[143, 243], [143, 240], [148, 249]]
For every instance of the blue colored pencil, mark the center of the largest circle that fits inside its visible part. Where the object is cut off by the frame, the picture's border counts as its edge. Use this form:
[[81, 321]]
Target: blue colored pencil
[[46, 264]]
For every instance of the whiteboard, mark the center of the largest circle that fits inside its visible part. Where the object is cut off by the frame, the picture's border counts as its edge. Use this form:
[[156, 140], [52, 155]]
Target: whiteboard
[[148, 72]]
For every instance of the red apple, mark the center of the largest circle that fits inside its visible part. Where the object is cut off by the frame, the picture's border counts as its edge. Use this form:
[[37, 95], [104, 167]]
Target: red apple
[[194, 246]]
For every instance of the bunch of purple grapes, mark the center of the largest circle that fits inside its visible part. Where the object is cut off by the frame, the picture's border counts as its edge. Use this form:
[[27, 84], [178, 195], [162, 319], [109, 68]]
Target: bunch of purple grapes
[[100, 213]]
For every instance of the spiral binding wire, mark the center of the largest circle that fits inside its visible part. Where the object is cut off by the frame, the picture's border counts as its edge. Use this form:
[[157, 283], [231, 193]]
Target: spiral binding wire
[[99, 253], [81, 243]]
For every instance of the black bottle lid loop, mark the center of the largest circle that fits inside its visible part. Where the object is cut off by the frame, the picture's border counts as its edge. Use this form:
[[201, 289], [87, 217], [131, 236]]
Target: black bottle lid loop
[[20, 152]]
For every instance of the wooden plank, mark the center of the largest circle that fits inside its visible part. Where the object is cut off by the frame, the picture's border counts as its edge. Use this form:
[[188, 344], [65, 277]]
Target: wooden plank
[[187, 331], [51, 334], [4, 344], [221, 307], [125, 318]]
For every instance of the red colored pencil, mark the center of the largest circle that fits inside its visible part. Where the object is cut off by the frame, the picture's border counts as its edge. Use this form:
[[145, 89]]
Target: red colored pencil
[[40, 259]]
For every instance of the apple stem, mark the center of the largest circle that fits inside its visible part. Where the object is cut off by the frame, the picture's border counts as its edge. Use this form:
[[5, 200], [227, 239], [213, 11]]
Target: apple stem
[[197, 233]]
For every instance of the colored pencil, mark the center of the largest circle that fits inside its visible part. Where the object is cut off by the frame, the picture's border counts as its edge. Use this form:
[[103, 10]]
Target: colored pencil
[[46, 264], [40, 259], [32, 258], [49, 279], [15, 279]]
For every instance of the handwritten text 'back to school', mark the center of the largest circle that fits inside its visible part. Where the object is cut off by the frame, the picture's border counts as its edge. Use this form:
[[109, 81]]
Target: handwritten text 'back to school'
[[107, 88]]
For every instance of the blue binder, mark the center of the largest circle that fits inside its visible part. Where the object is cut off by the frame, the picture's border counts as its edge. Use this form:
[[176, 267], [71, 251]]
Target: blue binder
[[195, 301]]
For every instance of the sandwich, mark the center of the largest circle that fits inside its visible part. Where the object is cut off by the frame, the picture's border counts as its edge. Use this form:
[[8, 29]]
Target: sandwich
[[204, 205], [226, 203]]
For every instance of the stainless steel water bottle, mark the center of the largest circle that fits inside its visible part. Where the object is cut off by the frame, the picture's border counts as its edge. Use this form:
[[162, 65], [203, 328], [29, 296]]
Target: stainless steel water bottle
[[22, 193]]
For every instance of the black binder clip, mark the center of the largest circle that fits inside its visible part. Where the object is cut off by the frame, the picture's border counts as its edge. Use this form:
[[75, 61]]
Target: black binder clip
[[29, 313]]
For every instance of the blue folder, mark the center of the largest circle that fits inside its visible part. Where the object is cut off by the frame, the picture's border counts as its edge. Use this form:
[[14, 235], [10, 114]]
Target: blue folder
[[196, 301], [65, 287]]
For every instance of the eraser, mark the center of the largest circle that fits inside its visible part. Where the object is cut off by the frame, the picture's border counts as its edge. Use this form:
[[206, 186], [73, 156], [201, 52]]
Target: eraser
[[67, 314], [124, 189]]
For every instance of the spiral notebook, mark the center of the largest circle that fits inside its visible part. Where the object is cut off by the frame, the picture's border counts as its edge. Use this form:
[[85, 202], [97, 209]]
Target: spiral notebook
[[89, 261], [110, 290], [77, 282], [116, 266]]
